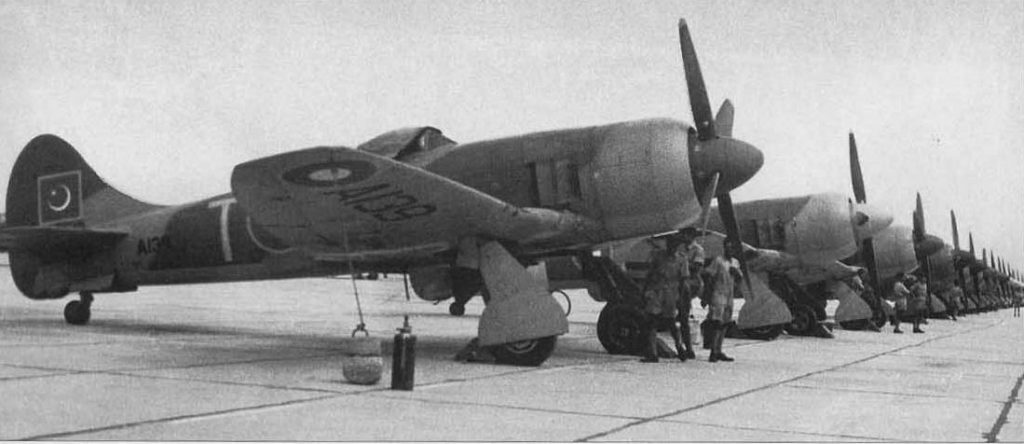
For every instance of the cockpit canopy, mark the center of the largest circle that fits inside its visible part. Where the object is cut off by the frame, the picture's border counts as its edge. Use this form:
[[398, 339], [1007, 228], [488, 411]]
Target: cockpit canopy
[[403, 142]]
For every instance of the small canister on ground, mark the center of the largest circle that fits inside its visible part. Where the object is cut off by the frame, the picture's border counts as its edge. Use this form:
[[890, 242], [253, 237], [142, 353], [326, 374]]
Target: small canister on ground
[[403, 360]]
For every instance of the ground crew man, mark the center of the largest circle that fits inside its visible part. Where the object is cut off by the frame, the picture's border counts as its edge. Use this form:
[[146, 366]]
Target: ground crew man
[[856, 283], [918, 305], [899, 296], [956, 299], [690, 283], [661, 300], [1016, 303], [723, 276]]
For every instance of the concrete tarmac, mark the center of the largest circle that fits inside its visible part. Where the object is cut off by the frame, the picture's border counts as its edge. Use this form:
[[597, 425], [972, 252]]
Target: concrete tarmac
[[262, 361]]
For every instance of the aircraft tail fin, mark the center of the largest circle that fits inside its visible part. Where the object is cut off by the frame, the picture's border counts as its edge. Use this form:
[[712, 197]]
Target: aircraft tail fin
[[54, 202], [52, 184]]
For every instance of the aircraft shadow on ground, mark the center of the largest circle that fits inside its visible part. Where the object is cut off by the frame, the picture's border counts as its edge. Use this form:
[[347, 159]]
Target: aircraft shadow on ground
[[209, 341]]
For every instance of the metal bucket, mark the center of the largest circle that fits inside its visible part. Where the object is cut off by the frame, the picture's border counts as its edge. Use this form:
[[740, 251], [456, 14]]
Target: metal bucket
[[362, 363]]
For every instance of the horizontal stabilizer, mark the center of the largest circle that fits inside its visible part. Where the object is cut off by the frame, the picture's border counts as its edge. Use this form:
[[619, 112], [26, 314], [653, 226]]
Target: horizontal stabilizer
[[55, 238]]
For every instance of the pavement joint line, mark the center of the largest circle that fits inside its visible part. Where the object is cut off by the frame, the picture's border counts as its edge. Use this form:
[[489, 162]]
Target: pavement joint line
[[53, 436], [231, 383], [48, 375], [793, 432], [972, 361], [514, 371], [993, 435], [884, 392], [773, 385], [48, 345]]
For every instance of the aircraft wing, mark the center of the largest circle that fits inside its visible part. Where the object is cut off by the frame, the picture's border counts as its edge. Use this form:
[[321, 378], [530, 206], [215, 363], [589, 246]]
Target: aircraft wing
[[340, 203], [55, 238]]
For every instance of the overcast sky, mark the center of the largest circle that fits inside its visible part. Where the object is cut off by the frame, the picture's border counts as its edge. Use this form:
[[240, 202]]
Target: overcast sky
[[163, 98]]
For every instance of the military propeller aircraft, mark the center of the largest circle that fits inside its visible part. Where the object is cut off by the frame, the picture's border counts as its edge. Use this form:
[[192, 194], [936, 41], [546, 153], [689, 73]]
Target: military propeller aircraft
[[893, 251], [788, 243], [455, 217]]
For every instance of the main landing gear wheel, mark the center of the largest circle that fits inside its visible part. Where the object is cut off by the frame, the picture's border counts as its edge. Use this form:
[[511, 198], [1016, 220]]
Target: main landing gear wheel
[[804, 320], [878, 318], [528, 353], [620, 329], [765, 333], [457, 309], [78, 312]]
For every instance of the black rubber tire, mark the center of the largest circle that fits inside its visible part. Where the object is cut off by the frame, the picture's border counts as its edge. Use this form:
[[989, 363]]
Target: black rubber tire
[[529, 353], [804, 320], [620, 329], [457, 309], [766, 333], [878, 318], [77, 313]]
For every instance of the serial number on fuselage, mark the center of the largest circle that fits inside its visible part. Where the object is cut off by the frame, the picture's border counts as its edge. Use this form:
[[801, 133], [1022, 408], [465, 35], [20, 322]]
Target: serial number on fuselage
[[384, 202]]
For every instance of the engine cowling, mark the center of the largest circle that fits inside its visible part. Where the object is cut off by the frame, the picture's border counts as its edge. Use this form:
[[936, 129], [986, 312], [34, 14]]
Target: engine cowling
[[820, 232], [894, 251]]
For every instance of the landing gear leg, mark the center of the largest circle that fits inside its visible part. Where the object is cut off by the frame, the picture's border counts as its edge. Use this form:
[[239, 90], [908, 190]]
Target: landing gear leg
[[78, 312]]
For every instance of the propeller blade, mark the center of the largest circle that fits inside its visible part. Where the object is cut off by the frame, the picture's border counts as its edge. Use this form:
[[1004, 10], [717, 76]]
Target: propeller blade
[[920, 212], [732, 235], [699, 104], [723, 120], [855, 173], [725, 209], [956, 233], [705, 202], [970, 238], [868, 256]]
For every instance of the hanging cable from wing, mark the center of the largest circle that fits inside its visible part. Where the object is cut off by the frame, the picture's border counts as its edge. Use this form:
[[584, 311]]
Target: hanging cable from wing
[[361, 327]]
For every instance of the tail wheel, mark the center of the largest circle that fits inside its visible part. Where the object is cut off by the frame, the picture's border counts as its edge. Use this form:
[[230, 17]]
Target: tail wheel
[[766, 333], [620, 329], [528, 353], [457, 309], [804, 319], [77, 313]]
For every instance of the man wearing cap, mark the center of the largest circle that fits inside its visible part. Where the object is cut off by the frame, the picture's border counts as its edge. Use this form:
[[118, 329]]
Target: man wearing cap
[[918, 305], [661, 300], [724, 274], [899, 296]]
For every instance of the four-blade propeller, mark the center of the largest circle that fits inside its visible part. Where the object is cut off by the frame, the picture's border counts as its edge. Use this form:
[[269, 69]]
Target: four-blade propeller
[[718, 162]]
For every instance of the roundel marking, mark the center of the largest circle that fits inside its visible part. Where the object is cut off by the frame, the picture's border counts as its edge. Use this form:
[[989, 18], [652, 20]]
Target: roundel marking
[[330, 174], [53, 196]]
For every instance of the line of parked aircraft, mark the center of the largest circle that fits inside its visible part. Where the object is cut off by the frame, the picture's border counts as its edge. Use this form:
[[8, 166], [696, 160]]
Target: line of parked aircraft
[[511, 219]]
